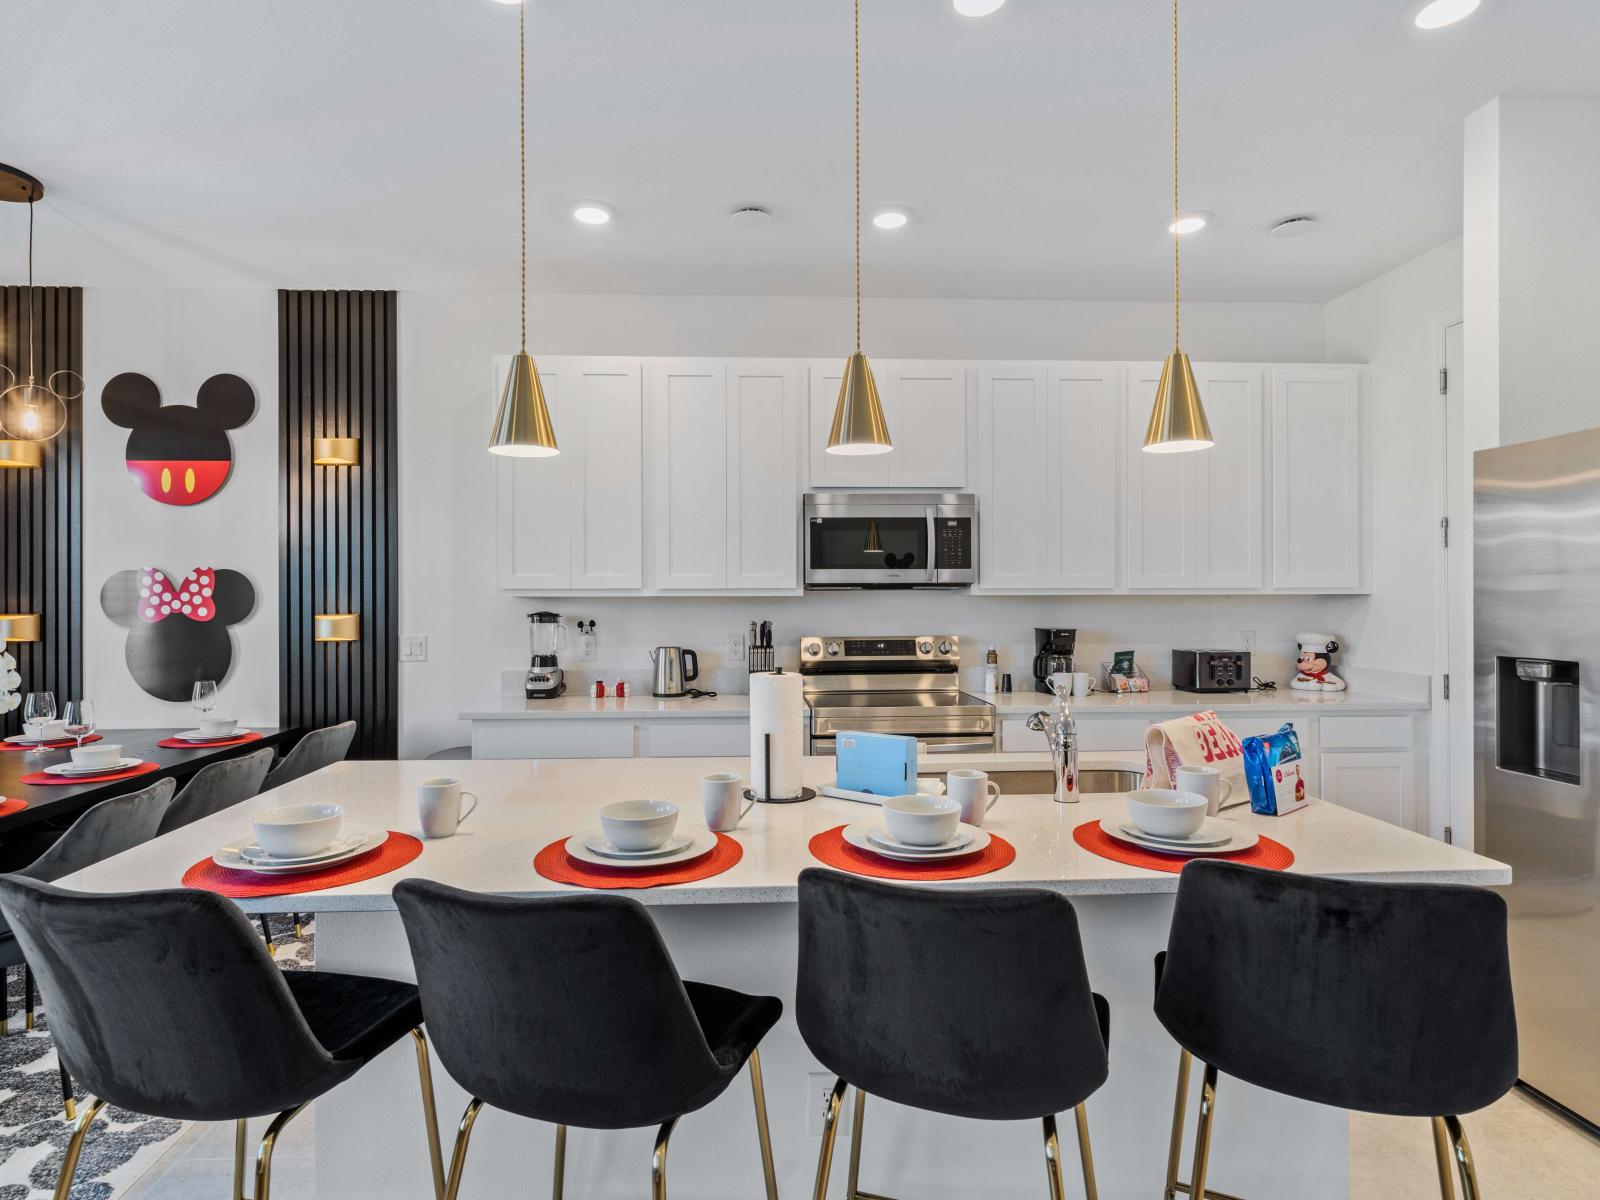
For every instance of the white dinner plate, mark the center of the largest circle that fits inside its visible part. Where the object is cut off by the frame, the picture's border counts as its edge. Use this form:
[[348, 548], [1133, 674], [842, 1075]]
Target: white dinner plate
[[1239, 839], [68, 770], [597, 842], [22, 739], [700, 842], [229, 857], [352, 837], [860, 834], [1202, 837], [885, 840], [194, 735]]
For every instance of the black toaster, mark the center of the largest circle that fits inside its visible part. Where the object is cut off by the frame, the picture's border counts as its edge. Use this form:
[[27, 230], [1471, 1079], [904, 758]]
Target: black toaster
[[1211, 670]]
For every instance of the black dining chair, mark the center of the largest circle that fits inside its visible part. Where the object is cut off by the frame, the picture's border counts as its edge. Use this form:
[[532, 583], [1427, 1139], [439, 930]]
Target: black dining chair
[[1015, 1033], [568, 1010], [108, 828], [217, 786], [217, 1033], [1381, 998], [317, 749]]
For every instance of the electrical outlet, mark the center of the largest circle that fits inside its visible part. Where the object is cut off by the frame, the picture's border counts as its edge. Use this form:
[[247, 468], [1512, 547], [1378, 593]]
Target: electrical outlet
[[588, 646], [413, 647], [819, 1088], [1247, 640], [735, 647]]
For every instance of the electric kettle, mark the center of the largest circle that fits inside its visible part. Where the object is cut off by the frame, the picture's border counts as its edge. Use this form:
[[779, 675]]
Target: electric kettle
[[675, 668]]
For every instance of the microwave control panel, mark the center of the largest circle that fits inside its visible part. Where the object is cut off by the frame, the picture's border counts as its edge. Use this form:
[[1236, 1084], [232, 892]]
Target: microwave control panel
[[953, 543]]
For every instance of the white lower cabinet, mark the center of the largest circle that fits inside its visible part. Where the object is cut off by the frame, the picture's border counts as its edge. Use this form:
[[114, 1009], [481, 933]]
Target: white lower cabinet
[[610, 738], [1380, 783]]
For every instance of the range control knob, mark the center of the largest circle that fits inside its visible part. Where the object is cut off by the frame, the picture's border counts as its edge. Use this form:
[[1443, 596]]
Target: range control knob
[[813, 648], [833, 649], [924, 647], [945, 647]]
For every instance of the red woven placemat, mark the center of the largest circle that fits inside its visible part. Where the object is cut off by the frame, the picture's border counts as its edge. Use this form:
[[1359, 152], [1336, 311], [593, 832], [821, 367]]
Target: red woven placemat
[[40, 779], [7, 807], [830, 847], [554, 863], [63, 744], [177, 743], [205, 875], [1274, 856]]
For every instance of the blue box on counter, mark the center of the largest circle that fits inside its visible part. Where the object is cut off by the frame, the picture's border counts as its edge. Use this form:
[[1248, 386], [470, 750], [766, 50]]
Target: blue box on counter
[[1274, 772], [881, 764]]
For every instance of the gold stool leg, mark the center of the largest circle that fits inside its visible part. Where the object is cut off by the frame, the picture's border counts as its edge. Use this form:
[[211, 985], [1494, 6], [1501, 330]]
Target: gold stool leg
[[264, 1154], [241, 1137], [1202, 1133], [430, 1113], [458, 1157], [1085, 1154], [69, 1165], [560, 1184], [759, 1091], [852, 1189], [1442, 1157], [830, 1128], [1179, 1108], [658, 1161], [1052, 1159], [1463, 1156]]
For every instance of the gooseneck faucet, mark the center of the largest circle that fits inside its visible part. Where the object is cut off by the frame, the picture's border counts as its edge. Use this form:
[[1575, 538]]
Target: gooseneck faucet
[[1062, 733]]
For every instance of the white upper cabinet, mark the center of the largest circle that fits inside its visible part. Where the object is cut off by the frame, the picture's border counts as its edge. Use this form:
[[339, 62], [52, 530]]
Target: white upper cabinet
[[1158, 494], [1318, 537], [1083, 437], [763, 488], [928, 409], [1013, 494], [533, 509]]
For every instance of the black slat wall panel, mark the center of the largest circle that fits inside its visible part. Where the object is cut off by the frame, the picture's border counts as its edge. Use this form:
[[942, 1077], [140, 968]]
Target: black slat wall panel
[[41, 511], [337, 358]]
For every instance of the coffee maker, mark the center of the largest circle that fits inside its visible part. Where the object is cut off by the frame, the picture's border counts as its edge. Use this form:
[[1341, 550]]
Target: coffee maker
[[546, 637], [1053, 650]]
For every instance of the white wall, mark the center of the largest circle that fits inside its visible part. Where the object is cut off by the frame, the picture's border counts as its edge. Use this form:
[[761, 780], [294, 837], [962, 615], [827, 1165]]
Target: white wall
[[447, 341], [179, 339]]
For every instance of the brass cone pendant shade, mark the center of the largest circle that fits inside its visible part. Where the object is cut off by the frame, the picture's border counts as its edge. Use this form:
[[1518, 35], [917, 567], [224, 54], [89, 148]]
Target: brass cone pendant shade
[[1178, 420], [522, 427]]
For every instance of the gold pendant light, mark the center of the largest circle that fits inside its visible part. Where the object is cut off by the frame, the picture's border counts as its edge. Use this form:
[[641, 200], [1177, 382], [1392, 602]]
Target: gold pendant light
[[1178, 420], [31, 412], [522, 427], [858, 424]]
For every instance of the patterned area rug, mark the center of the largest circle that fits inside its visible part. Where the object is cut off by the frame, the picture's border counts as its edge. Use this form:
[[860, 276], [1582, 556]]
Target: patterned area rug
[[121, 1145]]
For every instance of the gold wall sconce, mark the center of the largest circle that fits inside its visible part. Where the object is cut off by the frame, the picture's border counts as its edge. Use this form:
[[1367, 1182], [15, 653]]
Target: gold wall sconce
[[336, 451], [19, 455], [19, 627], [336, 627]]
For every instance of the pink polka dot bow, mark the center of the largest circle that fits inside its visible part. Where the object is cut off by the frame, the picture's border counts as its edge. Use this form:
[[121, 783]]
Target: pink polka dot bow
[[159, 599]]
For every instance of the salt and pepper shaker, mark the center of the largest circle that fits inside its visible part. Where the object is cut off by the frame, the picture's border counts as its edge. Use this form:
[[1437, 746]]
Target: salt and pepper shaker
[[598, 690], [621, 689]]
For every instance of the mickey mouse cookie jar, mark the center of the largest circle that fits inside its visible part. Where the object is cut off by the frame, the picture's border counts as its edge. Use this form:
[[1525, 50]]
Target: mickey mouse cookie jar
[[1314, 669]]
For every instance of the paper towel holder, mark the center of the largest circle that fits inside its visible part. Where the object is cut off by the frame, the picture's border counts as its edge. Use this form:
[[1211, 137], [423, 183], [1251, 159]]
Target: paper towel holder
[[766, 773]]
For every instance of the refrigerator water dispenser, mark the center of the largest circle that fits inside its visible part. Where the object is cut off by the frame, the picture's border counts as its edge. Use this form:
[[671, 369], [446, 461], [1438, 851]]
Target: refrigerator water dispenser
[[1537, 731]]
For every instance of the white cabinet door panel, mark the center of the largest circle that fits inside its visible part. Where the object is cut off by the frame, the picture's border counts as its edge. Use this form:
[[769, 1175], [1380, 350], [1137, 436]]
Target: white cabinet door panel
[[1013, 480], [1160, 488], [1317, 526], [763, 475], [533, 509], [689, 417], [1228, 480], [1083, 433], [1382, 785], [607, 480], [925, 404], [838, 470]]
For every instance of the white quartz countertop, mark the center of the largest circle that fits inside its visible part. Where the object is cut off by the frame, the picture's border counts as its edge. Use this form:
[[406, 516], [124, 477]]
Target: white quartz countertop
[[1155, 705], [525, 805]]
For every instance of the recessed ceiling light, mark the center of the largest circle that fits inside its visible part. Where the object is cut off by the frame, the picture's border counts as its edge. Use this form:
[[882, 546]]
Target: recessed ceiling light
[[592, 212], [1190, 222], [978, 8], [1445, 12], [894, 216], [1293, 227], [750, 216], [508, 1]]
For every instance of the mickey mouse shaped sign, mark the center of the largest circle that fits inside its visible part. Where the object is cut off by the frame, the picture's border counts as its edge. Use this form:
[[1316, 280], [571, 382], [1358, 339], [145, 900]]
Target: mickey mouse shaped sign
[[179, 453], [177, 633]]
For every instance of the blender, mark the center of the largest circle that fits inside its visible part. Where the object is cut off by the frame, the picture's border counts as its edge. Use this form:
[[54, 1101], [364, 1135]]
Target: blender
[[546, 637]]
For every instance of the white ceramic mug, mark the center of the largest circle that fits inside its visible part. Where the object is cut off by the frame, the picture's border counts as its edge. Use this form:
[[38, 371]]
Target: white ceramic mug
[[1207, 782], [975, 792], [1082, 685], [439, 803], [720, 794]]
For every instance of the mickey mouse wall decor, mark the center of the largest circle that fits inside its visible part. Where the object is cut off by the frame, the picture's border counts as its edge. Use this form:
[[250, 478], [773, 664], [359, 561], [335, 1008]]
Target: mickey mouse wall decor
[[177, 633], [179, 453]]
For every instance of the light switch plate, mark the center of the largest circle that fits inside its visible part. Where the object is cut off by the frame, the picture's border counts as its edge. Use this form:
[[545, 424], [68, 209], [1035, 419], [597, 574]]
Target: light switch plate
[[413, 647]]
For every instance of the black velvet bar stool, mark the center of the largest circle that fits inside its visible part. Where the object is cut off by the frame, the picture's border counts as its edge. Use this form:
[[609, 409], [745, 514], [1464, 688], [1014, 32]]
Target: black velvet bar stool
[[1382, 998], [568, 1009], [972, 1003], [167, 1003]]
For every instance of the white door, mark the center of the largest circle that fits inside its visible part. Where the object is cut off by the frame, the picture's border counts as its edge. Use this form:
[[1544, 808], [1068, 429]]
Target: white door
[[1158, 494], [607, 414], [838, 470], [689, 448], [1228, 502], [533, 510], [1014, 453], [1083, 436], [1317, 531], [926, 405], [763, 492], [1380, 784]]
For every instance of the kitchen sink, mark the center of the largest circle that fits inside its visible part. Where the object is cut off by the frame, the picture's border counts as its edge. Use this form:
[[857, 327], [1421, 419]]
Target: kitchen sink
[[1090, 780]]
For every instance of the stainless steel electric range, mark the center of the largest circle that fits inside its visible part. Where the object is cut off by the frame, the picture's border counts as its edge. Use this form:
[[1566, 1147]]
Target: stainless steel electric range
[[904, 685]]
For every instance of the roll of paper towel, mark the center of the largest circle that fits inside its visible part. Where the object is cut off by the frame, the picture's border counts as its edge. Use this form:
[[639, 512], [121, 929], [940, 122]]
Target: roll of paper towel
[[777, 707]]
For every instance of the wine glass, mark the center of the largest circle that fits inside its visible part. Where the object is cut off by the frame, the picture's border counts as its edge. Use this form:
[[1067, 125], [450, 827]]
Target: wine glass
[[80, 719], [205, 695], [39, 707]]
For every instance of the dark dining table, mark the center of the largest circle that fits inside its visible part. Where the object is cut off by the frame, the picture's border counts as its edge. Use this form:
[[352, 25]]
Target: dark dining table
[[59, 804]]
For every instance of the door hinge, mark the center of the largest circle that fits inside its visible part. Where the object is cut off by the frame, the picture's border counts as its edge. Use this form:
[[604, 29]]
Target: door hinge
[[1444, 381], [1444, 530], [1449, 836], [1447, 686]]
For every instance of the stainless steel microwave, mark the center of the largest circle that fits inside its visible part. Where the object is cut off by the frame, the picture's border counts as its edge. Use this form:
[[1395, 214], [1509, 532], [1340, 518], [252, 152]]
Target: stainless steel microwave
[[890, 539]]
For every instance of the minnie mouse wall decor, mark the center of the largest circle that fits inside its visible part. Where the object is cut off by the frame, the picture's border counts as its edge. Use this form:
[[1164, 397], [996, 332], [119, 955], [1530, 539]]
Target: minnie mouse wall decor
[[179, 453], [177, 633], [1315, 666]]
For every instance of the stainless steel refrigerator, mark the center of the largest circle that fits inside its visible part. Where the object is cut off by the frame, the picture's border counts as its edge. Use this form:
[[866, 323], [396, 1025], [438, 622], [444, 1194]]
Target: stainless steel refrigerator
[[1537, 648]]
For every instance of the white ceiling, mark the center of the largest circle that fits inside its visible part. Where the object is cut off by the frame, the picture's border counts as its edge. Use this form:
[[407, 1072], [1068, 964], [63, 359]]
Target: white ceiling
[[372, 143]]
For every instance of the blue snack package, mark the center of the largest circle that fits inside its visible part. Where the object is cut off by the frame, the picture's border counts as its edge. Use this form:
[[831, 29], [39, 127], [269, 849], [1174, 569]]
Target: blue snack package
[[1273, 772]]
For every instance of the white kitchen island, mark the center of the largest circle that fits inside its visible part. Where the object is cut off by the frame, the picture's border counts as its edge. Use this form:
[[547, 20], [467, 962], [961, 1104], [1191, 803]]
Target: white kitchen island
[[739, 929]]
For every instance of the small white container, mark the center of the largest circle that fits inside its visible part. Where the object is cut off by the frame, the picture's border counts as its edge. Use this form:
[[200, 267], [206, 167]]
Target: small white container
[[639, 824], [100, 754], [922, 820], [1166, 813], [297, 830], [218, 726]]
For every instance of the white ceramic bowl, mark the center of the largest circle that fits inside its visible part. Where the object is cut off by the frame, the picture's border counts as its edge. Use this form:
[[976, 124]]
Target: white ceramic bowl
[[45, 731], [217, 726], [639, 824], [1163, 812], [100, 754], [296, 830], [922, 820]]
